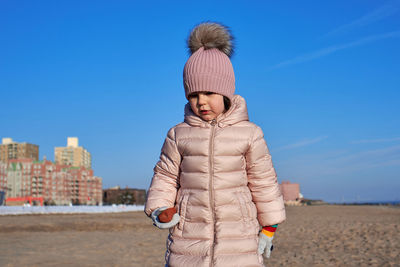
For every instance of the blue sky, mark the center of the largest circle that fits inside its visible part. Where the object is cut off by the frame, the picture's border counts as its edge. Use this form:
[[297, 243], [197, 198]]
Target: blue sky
[[321, 78]]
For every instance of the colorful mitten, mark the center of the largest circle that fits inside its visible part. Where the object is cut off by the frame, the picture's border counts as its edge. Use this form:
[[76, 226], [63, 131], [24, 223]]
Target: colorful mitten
[[154, 216], [265, 240]]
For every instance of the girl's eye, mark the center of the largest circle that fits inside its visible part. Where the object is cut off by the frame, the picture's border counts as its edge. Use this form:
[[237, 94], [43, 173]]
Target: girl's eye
[[193, 95]]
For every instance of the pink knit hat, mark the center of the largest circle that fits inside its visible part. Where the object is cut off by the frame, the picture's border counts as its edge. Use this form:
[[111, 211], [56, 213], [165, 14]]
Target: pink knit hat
[[209, 68]]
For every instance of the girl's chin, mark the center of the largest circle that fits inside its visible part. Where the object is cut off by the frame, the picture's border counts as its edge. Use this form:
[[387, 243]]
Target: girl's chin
[[207, 117]]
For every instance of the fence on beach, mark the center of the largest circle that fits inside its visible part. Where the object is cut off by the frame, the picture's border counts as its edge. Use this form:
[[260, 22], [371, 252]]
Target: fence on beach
[[19, 210]]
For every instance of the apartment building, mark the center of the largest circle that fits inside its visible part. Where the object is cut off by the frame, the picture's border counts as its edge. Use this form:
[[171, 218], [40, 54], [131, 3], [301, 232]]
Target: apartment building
[[73, 154], [3, 176], [55, 183], [13, 150]]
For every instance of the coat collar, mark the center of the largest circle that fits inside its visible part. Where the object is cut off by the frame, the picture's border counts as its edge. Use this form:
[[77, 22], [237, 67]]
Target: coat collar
[[236, 113]]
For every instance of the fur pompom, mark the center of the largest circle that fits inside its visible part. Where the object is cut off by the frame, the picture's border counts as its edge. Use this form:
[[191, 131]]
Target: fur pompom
[[211, 35]]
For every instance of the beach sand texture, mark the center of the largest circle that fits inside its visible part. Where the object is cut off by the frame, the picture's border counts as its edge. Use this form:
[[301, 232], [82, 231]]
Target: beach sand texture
[[311, 236]]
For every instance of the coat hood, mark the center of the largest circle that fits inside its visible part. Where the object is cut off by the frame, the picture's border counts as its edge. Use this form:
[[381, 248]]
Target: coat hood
[[236, 113]]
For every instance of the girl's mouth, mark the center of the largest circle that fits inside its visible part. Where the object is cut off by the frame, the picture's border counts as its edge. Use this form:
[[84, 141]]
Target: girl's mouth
[[204, 112]]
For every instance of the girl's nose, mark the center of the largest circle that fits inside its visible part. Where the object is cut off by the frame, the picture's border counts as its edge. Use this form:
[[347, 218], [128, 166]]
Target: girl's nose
[[201, 99]]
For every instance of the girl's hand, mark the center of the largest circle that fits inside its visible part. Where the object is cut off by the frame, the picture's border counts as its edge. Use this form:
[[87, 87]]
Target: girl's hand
[[166, 215], [265, 240], [154, 216], [265, 244]]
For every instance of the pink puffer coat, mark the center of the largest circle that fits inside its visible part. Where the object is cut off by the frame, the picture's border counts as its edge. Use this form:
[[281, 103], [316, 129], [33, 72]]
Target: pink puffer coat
[[220, 177]]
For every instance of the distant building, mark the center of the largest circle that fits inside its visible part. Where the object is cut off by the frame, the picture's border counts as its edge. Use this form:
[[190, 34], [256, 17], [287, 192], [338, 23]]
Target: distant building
[[3, 176], [2, 197], [116, 195], [13, 150], [73, 155], [57, 184], [291, 192]]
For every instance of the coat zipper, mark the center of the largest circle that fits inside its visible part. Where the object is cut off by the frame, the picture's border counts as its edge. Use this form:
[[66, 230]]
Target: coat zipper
[[211, 186]]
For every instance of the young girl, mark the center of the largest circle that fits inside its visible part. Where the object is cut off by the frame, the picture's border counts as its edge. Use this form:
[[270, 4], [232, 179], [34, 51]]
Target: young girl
[[215, 168]]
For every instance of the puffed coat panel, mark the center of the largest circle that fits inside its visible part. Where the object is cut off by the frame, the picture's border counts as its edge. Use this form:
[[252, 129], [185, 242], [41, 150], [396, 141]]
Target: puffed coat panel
[[219, 176]]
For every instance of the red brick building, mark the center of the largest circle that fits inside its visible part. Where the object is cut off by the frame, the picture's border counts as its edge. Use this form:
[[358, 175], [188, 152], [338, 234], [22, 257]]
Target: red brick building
[[116, 195], [57, 184]]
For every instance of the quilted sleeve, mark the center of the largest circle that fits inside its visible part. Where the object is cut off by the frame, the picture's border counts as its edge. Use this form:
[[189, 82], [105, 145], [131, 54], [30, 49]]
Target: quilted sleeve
[[263, 183], [165, 181]]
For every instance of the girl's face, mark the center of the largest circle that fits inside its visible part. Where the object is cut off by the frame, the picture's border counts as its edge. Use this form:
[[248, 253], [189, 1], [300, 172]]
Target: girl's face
[[207, 105]]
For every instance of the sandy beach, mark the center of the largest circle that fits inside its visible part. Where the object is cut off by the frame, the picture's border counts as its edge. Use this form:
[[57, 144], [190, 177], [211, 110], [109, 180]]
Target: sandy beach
[[311, 236]]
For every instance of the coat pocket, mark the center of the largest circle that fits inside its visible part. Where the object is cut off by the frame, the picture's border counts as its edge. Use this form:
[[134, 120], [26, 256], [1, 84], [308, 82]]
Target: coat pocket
[[243, 206], [250, 205], [182, 211]]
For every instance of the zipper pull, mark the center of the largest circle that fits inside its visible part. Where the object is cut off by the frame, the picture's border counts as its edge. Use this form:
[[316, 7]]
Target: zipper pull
[[213, 122]]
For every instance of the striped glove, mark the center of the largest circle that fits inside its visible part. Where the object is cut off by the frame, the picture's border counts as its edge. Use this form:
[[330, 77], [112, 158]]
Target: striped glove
[[265, 240]]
